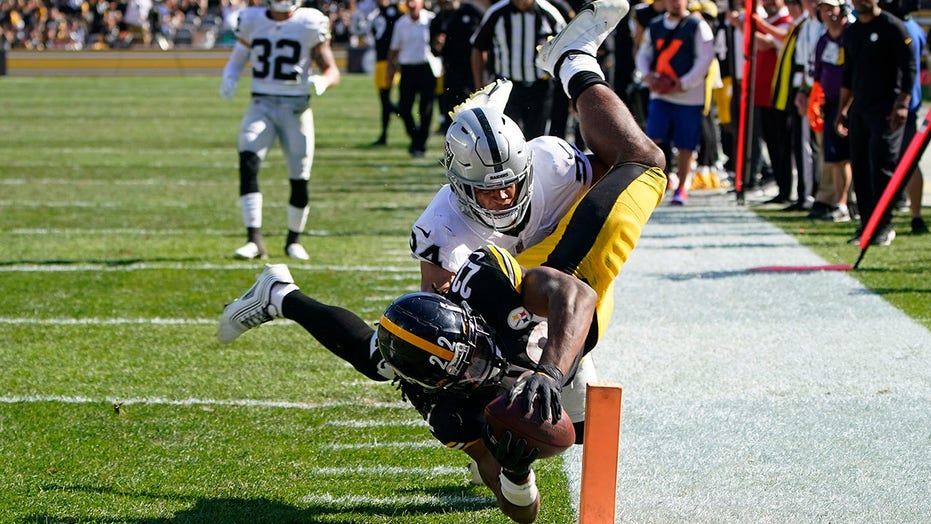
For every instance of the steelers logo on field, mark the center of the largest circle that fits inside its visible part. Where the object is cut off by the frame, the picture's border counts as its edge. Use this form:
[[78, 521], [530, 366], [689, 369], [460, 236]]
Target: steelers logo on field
[[519, 318]]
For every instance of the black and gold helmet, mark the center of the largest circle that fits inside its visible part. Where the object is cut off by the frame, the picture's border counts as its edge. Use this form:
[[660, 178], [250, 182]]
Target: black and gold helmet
[[432, 342]]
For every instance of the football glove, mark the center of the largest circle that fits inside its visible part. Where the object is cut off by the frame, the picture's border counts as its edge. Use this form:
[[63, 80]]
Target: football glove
[[511, 453], [319, 84], [546, 383], [228, 88]]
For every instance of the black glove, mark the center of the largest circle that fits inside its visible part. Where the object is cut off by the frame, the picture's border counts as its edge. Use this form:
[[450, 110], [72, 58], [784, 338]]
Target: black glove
[[510, 452], [545, 382]]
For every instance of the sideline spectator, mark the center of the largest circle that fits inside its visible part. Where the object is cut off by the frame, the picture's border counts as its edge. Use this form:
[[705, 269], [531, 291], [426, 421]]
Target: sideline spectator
[[292, 39], [828, 74], [914, 186], [676, 52], [770, 123], [410, 50], [505, 44], [382, 22], [877, 85], [805, 146]]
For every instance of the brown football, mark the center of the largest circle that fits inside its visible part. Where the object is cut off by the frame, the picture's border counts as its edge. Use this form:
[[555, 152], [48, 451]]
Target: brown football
[[662, 84], [551, 439]]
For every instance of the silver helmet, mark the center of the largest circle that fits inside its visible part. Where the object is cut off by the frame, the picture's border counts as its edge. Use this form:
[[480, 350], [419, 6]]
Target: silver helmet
[[486, 150]]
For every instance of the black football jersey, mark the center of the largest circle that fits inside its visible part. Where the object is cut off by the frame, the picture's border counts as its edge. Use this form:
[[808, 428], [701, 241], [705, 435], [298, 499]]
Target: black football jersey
[[490, 283]]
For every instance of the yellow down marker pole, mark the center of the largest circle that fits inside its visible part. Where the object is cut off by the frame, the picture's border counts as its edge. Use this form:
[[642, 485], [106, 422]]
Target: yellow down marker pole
[[600, 453]]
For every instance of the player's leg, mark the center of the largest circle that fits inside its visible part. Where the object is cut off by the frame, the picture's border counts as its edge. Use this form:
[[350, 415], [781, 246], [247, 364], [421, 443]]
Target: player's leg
[[256, 135], [383, 85], [607, 126], [297, 141], [595, 238], [275, 295]]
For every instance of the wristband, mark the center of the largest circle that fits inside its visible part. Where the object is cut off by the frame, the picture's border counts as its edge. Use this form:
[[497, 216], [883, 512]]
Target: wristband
[[519, 494]]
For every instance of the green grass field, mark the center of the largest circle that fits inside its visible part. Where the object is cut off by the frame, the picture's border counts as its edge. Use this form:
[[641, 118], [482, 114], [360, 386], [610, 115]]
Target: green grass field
[[118, 216]]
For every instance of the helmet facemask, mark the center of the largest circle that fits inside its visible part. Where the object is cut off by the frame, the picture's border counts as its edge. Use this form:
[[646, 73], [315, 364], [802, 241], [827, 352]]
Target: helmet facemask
[[485, 150]]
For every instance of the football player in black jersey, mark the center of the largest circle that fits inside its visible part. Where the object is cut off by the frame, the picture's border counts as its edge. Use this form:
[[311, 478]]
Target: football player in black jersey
[[502, 327]]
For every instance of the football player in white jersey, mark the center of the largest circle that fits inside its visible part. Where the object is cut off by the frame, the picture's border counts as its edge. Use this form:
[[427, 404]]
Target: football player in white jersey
[[281, 41], [502, 190]]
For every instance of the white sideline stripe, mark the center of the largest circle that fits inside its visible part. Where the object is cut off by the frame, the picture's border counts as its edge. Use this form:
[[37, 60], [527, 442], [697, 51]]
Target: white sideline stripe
[[380, 445], [148, 232], [158, 401], [139, 321], [407, 500], [106, 321], [82, 204], [140, 266], [435, 471]]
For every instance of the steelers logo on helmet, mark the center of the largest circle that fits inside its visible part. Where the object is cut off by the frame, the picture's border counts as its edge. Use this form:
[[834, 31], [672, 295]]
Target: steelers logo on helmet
[[430, 341], [485, 150], [283, 6]]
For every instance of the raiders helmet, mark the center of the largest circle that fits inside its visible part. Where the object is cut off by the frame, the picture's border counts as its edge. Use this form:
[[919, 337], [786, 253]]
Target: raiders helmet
[[283, 6], [430, 341], [486, 150]]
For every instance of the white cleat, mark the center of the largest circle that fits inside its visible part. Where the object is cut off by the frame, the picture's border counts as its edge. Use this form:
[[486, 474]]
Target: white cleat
[[250, 251], [297, 251], [254, 307], [583, 34]]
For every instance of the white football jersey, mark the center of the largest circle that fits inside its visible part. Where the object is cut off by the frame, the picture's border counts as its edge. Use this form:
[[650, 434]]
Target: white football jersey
[[444, 235], [280, 55]]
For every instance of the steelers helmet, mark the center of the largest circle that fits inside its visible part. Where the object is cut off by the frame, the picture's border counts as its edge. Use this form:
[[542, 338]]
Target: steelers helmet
[[486, 150], [432, 342], [283, 6]]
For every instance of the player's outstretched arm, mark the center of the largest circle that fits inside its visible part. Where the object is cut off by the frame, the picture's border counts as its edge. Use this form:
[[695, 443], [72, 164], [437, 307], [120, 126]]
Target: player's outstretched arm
[[612, 133], [569, 307], [491, 472]]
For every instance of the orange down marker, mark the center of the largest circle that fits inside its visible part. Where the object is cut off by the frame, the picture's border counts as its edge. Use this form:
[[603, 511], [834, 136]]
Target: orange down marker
[[600, 447]]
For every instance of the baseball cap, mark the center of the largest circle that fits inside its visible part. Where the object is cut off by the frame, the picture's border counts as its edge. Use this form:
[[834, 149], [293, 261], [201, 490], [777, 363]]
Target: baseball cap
[[835, 3]]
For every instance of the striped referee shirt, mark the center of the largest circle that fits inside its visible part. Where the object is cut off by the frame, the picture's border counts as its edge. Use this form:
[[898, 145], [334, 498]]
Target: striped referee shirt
[[511, 37]]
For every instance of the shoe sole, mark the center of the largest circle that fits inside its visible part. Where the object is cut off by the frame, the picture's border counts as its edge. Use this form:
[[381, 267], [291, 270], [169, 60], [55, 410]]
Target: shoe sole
[[270, 276], [586, 19]]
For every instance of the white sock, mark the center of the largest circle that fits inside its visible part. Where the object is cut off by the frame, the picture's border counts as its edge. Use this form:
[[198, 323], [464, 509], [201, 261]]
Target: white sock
[[576, 64], [297, 218], [251, 204], [277, 296]]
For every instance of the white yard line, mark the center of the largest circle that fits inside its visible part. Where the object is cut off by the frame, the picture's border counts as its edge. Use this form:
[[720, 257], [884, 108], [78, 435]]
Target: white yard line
[[246, 403]]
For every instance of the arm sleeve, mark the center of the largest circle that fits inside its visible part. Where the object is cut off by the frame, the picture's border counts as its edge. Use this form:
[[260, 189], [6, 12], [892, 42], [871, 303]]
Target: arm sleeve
[[704, 51], [237, 62], [907, 63]]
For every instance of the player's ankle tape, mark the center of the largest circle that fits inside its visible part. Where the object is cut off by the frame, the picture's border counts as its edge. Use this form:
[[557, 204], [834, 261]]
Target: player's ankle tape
[[582, 81], [519, 494]]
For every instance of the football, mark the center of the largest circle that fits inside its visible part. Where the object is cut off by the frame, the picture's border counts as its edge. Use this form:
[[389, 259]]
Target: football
[[551, 439], [662, 84]]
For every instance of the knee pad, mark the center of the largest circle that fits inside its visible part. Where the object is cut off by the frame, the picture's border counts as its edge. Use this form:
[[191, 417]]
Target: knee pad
[[299, 196], [249, 163]]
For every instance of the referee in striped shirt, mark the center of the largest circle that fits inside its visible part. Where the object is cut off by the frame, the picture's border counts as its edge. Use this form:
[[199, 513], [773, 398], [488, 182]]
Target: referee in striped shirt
[[505, 45]]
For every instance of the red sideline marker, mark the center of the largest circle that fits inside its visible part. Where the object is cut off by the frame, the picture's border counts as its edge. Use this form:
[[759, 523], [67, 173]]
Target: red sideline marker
[[911, 157]]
